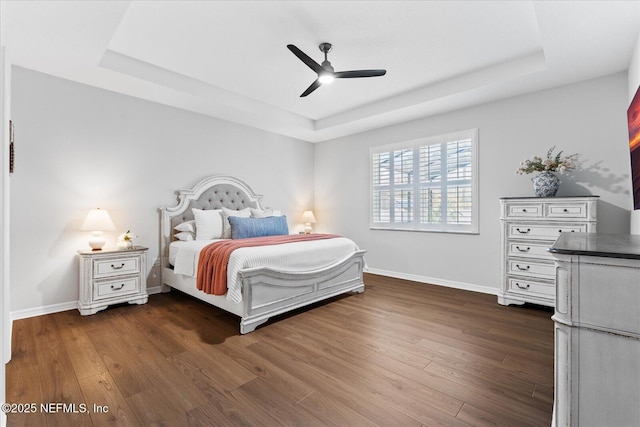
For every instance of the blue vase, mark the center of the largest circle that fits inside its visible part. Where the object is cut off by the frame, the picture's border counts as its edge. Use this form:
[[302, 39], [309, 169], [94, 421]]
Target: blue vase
[[545, 184]]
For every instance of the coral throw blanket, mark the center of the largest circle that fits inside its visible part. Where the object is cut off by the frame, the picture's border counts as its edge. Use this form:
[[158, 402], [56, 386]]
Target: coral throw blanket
[[214, 258]]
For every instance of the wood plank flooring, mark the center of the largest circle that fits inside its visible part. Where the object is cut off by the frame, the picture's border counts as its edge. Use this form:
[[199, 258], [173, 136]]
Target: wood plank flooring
[[400, 354]]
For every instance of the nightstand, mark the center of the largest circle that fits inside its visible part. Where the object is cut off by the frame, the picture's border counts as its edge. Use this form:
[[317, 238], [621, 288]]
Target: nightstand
[[112, 276]]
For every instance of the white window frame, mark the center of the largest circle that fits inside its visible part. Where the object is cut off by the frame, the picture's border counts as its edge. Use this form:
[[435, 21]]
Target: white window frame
[[416, 185]]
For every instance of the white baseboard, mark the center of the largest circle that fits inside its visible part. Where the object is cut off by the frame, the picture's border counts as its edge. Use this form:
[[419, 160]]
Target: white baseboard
[[64, 306], [72, 305], [40, 311], [434, 281], [154, 290]]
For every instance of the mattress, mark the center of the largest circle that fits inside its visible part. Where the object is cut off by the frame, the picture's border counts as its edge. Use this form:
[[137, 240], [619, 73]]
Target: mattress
[[291, 257]]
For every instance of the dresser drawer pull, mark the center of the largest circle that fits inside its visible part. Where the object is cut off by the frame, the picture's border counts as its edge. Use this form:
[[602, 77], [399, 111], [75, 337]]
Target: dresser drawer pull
[[524, 210], [523, 268], [113, 288], [522, 287], [118, 267], [523, 232], [560, 231], [522, 250], [565, 210]]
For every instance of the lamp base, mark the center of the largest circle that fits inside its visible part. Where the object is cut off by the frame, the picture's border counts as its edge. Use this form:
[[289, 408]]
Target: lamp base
[[307, 228], [97, 241]]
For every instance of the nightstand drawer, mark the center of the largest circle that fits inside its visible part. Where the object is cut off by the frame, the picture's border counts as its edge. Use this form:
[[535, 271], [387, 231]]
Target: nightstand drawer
[[114, 288], [116, 267], [530, 210], [531, 268], [569, 210], [546, 232], [530, 287]]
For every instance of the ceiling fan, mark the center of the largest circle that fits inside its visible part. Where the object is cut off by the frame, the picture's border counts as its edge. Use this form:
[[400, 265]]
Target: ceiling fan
[[325, 71]]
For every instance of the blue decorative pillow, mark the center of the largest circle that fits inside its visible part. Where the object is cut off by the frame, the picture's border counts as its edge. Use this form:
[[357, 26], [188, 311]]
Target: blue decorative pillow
[[242, 228]]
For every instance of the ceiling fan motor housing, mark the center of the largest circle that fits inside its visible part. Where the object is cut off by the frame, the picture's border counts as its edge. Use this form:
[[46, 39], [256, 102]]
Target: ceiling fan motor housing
[[327, 65]]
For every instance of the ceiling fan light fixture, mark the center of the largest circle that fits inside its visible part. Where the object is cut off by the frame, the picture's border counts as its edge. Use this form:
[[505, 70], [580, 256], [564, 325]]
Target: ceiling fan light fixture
[[326, 78]]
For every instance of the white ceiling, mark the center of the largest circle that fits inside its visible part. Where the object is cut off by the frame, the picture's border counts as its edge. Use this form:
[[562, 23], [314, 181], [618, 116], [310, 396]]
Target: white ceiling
[[228, 59]]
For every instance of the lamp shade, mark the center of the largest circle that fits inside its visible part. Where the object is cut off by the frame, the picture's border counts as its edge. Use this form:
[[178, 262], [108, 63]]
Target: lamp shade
[[98, 220], [308, 218]]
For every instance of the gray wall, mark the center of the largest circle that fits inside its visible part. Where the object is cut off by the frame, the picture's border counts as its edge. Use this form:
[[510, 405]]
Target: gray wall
[[79, 147], [588, 117]]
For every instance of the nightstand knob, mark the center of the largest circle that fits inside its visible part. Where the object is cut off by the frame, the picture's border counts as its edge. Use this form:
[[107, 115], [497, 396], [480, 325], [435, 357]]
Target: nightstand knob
[[117, 268]]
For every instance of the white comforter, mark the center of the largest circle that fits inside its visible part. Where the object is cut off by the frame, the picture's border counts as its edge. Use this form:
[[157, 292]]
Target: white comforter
[[299, 256]]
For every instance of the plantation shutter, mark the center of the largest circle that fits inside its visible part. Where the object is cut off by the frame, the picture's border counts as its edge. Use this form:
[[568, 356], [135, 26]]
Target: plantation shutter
[[426, 185]]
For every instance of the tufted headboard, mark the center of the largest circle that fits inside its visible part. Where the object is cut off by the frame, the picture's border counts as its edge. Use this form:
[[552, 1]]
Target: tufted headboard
[[216, 197], [213, 192]]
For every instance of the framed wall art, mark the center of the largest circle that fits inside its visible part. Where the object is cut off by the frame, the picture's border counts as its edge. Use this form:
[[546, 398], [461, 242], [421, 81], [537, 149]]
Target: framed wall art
[[12, 153]]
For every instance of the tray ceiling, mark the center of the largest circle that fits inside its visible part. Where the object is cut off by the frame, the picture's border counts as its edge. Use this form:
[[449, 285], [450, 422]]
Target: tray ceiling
[[229, 59]]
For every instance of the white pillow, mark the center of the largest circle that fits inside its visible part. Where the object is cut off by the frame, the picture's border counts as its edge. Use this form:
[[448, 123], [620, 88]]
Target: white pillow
[[259, 213], [243, 213], [185, 236], [188, 226], [208, 224]]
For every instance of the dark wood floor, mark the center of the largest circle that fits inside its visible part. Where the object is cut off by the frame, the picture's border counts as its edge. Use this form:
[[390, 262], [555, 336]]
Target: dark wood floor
[[401, 354]]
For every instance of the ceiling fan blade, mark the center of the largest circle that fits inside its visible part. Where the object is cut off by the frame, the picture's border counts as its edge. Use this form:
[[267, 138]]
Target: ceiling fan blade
[[358, 73], [305, 58], [315, 85]]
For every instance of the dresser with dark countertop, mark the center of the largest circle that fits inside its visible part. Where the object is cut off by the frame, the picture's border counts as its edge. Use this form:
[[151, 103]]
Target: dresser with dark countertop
[[597, 330]]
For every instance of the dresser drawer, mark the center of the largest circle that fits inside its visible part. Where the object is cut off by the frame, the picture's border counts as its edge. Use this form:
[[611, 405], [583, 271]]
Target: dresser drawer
[[566, 210], [542, 232], [113, 288], [521, 210], [116, 267], [528, 249], [529, 287], [531, 268]]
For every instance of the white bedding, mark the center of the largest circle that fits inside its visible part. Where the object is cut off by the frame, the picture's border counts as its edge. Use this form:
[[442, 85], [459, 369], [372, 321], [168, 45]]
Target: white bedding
[[298, 256]]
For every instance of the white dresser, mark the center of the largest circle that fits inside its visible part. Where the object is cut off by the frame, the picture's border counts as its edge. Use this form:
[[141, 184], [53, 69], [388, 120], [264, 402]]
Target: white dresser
[[112, 276], [597, 331], [530, 225]]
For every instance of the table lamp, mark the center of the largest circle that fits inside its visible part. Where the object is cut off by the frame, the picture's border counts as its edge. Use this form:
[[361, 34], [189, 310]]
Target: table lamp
[[97, 221], [308, 219]]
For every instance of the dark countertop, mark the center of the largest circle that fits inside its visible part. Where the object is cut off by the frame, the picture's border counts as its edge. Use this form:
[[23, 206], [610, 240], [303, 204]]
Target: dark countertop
[[548, 198], [596, 244]]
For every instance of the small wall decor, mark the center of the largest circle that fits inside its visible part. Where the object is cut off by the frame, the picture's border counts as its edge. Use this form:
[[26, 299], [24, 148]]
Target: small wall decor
[[12, 153]]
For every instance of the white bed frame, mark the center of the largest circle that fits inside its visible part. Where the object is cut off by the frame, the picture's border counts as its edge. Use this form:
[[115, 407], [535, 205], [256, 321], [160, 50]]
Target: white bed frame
[[265, 292]]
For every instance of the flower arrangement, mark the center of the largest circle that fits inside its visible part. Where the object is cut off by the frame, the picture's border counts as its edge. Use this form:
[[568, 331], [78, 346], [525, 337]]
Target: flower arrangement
[[551, 163], [125, 240]]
